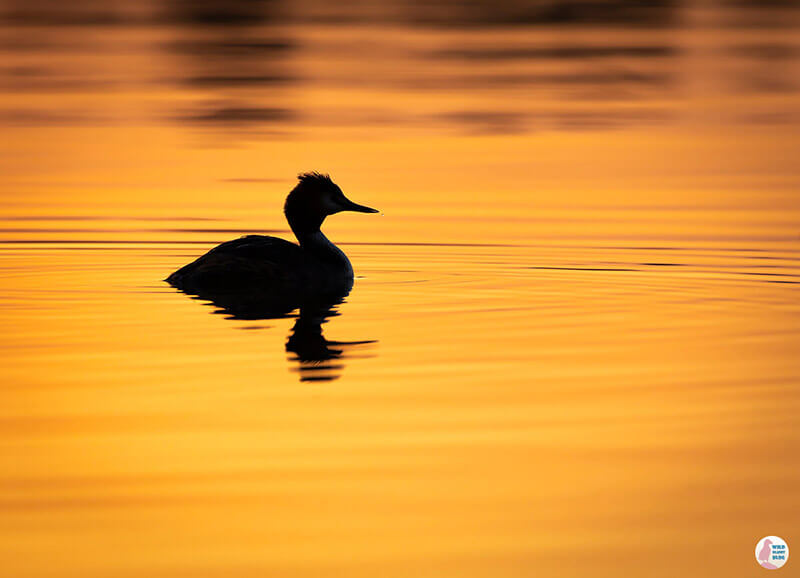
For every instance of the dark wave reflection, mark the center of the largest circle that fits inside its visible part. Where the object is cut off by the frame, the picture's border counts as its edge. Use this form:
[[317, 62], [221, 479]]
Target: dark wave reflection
[[246, 64]]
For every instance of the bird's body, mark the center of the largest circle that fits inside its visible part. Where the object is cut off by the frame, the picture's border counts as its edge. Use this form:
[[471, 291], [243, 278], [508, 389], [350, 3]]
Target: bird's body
[[266, 264], [274, 268]]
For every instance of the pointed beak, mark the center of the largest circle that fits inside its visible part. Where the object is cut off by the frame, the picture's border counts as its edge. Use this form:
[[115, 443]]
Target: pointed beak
[[348, 205]]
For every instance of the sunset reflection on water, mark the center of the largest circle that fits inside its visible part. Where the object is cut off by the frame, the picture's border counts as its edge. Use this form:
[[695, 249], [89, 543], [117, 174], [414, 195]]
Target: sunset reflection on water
[[571, 345]]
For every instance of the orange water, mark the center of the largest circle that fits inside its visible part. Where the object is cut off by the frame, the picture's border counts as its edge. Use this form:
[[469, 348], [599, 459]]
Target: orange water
[[580, 308]]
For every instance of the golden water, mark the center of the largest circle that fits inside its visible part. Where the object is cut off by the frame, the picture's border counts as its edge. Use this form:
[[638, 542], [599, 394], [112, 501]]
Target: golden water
[[579, 312]]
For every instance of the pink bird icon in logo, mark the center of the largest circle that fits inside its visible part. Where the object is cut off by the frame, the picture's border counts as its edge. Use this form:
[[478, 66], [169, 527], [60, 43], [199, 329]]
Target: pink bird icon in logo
[[763, 555]]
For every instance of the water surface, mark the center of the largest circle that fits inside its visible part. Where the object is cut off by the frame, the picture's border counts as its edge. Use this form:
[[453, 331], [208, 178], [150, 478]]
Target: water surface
[[571, 349]]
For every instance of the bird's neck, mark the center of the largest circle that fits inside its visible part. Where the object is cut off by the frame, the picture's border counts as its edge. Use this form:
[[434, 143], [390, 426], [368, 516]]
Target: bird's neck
[[318, 245], [306, 227], [315, 241]]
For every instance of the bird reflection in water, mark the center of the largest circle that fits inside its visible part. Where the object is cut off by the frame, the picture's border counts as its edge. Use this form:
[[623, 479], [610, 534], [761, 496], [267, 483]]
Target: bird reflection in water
[[317, 358]]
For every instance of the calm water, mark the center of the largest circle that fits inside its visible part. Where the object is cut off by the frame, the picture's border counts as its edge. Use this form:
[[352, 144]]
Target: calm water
[[572, 345]]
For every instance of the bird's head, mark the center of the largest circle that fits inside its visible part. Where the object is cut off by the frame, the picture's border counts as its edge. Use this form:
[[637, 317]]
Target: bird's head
[[315, 197]]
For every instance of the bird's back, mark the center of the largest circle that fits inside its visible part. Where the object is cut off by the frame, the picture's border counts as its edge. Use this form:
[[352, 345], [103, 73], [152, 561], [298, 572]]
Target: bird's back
[[254, 263]]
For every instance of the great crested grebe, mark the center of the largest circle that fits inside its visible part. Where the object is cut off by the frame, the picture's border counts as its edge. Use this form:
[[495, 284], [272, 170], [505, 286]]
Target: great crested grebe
[[275, 267]]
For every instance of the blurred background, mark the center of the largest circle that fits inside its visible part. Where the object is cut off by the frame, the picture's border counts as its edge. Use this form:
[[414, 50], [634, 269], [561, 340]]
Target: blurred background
[[587, 102]]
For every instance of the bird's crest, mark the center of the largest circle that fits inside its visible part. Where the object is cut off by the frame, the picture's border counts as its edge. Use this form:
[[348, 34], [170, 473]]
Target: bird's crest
[[314, 177]]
